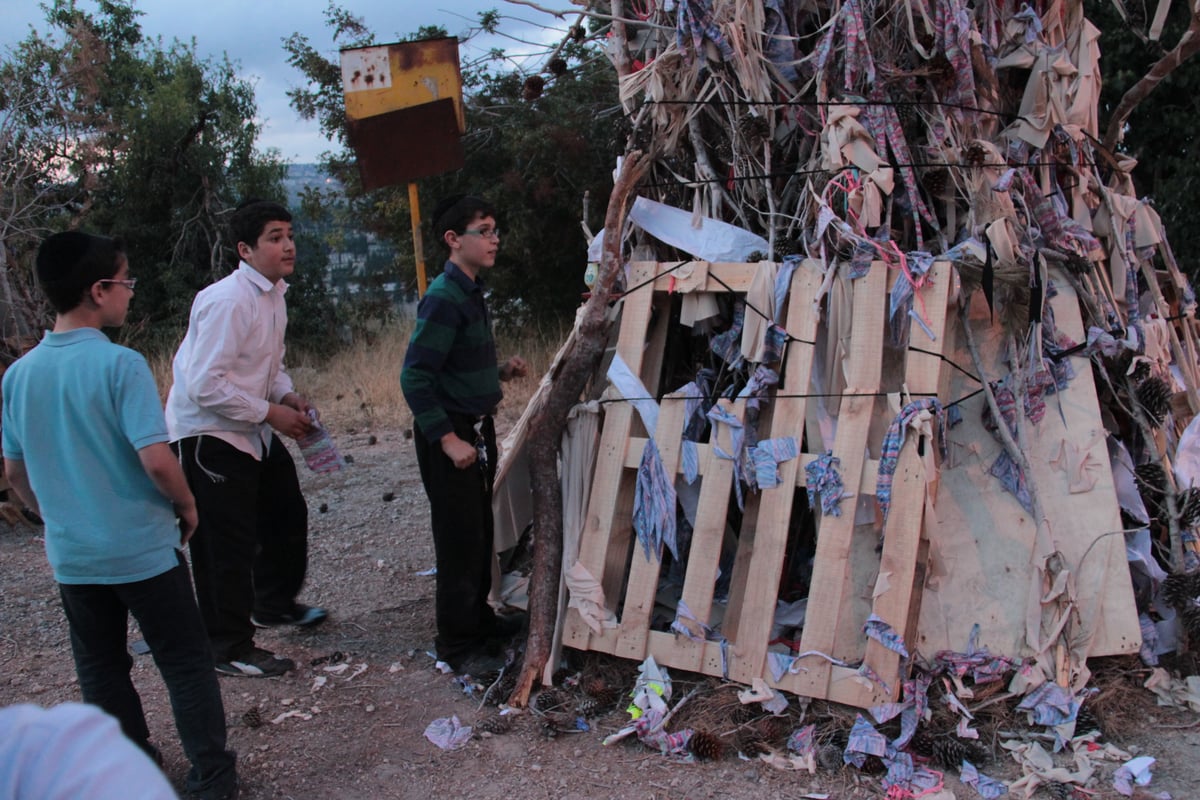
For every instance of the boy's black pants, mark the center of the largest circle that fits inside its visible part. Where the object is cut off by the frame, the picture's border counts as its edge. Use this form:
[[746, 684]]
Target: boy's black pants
[[460, 511], [250, 550]]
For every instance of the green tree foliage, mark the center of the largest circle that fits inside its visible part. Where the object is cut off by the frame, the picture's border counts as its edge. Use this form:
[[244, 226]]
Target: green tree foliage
[[1161, 132], [534, 154], [170, 144]]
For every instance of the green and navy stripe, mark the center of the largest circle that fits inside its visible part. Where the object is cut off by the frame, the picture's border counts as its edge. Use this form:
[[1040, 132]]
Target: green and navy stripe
[[450, 366]]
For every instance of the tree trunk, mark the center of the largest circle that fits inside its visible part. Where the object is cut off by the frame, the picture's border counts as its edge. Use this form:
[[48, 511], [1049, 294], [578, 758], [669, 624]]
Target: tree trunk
[[545, 435]]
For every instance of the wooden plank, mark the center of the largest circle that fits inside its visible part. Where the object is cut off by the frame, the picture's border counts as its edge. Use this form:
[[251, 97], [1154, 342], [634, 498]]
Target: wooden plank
[[736, 276], [753, 624], [656, 345], [894, 588], [983, 538], [897, 568], [707, 537], [607, 529], [643, 570], [831, 568]]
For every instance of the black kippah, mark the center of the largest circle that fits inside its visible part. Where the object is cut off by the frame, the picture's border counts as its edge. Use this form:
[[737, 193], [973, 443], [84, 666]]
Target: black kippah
[[61, 254]]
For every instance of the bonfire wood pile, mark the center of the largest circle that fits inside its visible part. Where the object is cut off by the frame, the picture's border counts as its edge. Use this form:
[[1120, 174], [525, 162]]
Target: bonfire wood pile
[[932, 409]]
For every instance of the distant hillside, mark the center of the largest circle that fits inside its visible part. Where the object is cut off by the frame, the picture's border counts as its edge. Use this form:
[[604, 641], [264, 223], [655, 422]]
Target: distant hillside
[[303, 176]]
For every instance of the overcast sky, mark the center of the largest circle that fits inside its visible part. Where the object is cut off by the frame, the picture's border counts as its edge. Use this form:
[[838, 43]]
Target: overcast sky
[[251, 32]]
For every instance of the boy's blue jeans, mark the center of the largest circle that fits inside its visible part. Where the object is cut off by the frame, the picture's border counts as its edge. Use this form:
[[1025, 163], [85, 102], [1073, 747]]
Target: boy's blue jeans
[[166, 612]]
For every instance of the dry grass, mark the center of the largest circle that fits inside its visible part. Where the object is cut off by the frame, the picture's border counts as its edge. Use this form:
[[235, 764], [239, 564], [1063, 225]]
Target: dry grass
[[359, 386]]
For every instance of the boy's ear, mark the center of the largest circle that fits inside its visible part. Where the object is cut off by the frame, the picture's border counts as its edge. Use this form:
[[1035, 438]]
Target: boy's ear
[[244, 250]]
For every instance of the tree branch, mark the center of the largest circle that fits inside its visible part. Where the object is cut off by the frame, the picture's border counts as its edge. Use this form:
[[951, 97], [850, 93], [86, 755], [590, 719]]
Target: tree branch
[[1188, 46], [545, 436]]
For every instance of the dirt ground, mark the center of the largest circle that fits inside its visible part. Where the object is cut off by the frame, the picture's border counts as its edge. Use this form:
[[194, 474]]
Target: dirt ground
[[349, 723]]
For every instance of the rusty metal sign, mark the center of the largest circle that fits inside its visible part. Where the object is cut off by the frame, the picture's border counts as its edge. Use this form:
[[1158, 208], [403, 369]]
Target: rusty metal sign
[[404, 110], [406, 144]]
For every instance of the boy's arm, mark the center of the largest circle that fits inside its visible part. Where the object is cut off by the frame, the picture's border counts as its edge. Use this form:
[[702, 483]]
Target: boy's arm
[[159, 462], [18, 479]]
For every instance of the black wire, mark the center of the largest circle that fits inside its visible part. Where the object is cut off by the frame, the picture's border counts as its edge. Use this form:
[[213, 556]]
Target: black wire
[[942, 357], [913, 164], [667, 271], [778, 396]]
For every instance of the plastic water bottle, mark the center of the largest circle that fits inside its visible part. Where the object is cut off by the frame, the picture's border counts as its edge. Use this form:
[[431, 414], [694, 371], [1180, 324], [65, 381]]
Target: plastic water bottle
[[318, 449]]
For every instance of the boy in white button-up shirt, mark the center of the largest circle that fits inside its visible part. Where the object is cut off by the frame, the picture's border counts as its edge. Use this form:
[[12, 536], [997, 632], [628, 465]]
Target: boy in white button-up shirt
[[231, 393]]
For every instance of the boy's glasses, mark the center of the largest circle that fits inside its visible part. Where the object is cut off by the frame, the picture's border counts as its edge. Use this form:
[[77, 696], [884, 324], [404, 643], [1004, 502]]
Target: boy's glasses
[[128, 283], [484, 233]]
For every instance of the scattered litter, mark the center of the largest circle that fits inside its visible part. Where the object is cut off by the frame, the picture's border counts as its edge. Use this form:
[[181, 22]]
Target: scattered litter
[[1134, 771], [427, 572], [772, 701], [987, 787], [1173, 691], [396, 666], [295, 712], [448, 733], [652, 690], [319, 682]]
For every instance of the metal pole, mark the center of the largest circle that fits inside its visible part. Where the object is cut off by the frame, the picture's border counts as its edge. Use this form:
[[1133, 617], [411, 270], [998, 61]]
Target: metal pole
[[414, 209]]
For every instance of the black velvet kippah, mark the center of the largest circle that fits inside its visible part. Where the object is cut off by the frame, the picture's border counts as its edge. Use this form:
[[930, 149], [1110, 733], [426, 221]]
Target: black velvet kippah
[[75, 258]]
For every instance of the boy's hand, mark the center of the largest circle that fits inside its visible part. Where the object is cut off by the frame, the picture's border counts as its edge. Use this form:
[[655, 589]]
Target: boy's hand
[[188, 520], [515, 367], [299, 402], [461, 453], [288, 420]]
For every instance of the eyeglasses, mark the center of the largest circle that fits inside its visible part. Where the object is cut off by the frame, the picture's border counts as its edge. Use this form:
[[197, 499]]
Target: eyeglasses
[[128, 283], [484, 233]]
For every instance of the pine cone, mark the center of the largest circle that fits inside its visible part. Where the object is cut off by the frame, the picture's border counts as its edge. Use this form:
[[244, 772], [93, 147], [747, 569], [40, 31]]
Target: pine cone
[[830, 757], [557, 67], [495, 724], [1189, 507], [753, 128], [1060, 791], [1190, 618], [922, 744], [1180, 589], [773, 730], [949, 752], [577, 33], [935, 181], [1086, 722], [533, 88], [550, 700], [594, 685], [974, 154], [1151, 481], [253, 718], [1154, 396], [498, 691], [706, 746]]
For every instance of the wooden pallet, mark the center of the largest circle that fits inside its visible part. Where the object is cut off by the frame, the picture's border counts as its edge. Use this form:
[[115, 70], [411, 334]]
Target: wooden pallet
[[834, 619]]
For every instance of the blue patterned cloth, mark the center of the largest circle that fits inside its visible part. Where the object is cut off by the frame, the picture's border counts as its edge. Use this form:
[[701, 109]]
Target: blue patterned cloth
[[864, 741], [825, 484], [893, 440], [654, 504], [875, 628], [767, 455]]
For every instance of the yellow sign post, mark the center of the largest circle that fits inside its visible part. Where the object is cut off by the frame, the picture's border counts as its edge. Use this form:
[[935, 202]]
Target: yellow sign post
[[404, 118]]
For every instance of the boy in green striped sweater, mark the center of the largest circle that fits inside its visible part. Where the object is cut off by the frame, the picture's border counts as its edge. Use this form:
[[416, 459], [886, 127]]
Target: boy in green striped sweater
[[451, 380]]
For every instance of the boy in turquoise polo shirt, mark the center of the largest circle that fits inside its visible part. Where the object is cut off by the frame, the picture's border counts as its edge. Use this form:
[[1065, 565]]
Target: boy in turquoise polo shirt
[[85, 444]]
